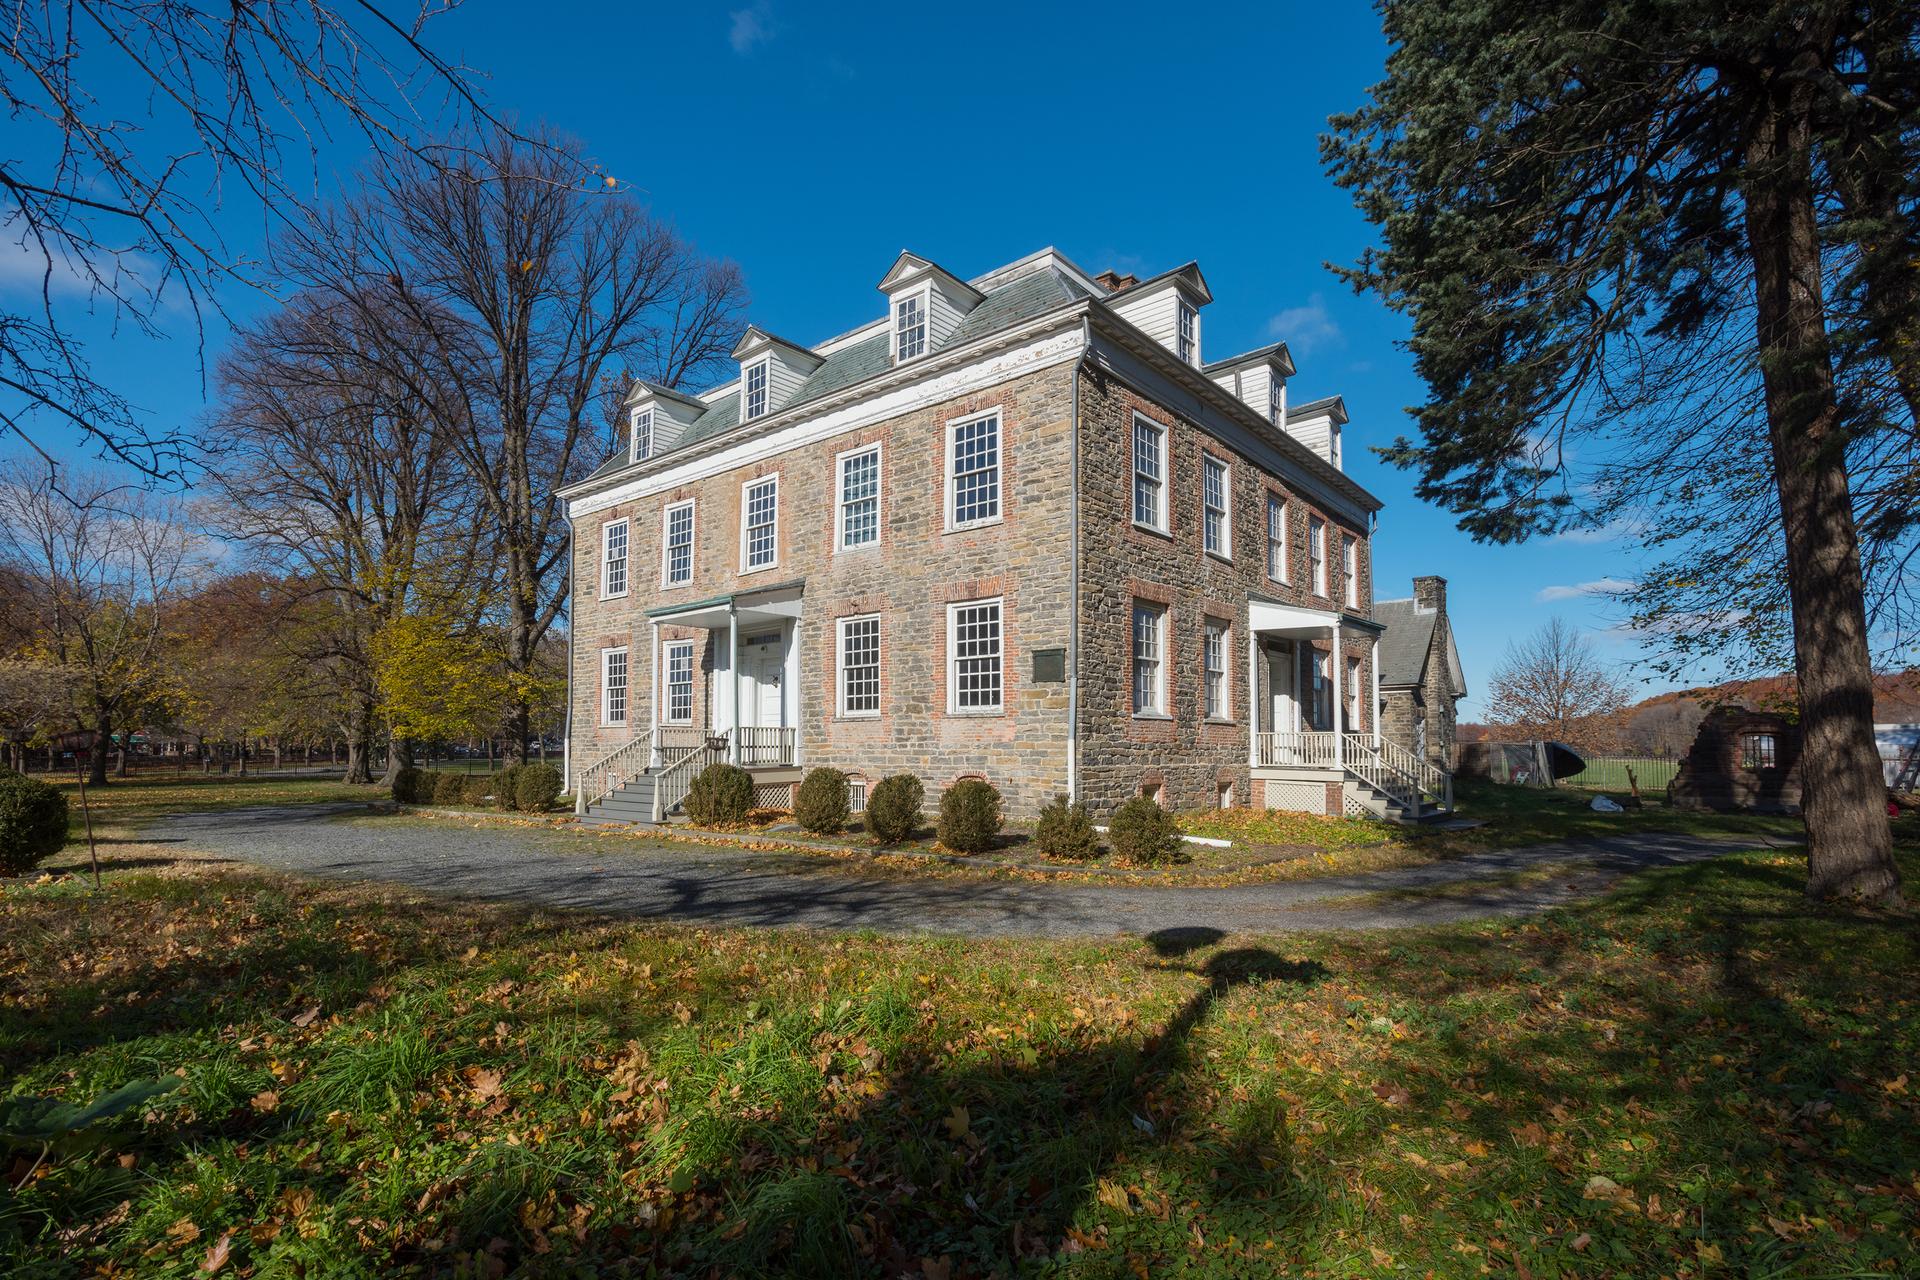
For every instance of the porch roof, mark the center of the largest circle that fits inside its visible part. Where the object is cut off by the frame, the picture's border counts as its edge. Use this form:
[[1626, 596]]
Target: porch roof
[[1273, 617], [756, 605]]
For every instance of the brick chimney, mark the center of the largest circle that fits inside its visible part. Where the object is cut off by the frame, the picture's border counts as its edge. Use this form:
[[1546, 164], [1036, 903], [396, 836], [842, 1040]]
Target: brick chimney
[[1430, 594], [1113, 282]]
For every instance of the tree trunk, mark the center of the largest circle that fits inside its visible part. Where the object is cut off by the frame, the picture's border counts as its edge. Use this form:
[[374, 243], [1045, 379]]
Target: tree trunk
[[399, 756], [102, 742], [360, 745], [1849, 844]]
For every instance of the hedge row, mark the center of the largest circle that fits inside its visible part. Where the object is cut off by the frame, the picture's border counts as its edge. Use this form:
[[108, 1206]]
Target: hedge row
[[524, 788]]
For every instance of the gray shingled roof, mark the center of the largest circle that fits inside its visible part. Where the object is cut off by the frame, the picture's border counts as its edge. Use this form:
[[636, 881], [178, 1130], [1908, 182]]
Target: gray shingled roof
[[1407, 641], [1029, 295]]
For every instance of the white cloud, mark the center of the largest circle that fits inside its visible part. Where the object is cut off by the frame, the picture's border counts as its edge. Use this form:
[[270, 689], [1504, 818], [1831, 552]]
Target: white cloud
[[1579, 590], [751, 26], [1305, 329]]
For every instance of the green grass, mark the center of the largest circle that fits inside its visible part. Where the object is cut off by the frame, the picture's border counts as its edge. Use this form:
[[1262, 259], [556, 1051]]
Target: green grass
[[1700, 1075]]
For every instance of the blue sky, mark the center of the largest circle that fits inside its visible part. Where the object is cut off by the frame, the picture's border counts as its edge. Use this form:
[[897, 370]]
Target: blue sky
[[811, 144]]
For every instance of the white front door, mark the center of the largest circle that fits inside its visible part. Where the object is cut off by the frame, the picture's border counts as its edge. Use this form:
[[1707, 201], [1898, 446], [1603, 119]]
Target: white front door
[[1280, 685], [767, 673]]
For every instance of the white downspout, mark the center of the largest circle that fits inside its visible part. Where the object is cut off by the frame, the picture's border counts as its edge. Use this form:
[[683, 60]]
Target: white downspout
[[1253, 699], [733, 680], [1335, 660], [566, 743], [653, 663], [1373, 708]]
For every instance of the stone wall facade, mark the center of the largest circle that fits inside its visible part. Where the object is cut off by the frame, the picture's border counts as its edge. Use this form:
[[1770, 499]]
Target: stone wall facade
[[908, 579], [1187, 760]]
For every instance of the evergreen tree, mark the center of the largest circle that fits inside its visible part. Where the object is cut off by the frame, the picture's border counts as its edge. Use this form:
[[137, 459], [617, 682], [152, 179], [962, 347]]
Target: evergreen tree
[[1612, 220]]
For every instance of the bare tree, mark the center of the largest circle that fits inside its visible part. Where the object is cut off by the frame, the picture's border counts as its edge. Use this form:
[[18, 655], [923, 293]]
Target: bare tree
[[107, 564], [529, 293], [121, 213], [335, 474], [1553, 686]]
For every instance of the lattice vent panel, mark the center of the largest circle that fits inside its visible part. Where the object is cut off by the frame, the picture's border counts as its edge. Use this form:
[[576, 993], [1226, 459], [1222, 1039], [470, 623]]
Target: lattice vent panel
[[773, 795], [1297, 797]]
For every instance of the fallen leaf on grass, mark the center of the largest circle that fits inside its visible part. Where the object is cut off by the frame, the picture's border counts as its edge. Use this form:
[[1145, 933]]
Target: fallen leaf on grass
[[217, 1256], [958, 1123], [306, 1019], [266, 1101], [1393, 1095]]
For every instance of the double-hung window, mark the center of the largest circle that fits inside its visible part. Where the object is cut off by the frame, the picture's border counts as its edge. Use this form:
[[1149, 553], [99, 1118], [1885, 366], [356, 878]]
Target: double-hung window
[[642, 435], [1757, 751], [909, 327], [613, 559], [1276, 537], [677, 544], [1215, 488], [860, 498], [1350, 569], [1317, 553], [973, 657], [860, 666], [679, 682], [973, 459], [756, 378], [760, 523], [613, 686], [1149, 473], [1322, 690], [1274, 400], [1213, 669], [1354, 701], [1189, 333], [1149, 659]]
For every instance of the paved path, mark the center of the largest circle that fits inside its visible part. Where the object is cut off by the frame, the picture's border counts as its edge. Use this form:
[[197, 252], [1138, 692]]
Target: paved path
[[618, 874]]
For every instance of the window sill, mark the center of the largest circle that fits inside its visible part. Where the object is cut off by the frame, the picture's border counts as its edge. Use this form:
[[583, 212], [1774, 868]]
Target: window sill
[[759, 568], [1219, 722], [976, 714], [857, 548], [676, 586], [857, 717], [1154, 529], [972, 525], [616, 595], [1224, 557], [1151, 715]]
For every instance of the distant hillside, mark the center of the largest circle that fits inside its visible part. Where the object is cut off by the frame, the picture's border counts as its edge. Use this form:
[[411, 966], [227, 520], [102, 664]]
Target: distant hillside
[[1896, 695]]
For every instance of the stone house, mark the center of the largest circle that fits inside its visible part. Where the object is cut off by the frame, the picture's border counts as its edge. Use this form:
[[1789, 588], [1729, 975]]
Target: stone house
[[1018, 528], [1421, 682]]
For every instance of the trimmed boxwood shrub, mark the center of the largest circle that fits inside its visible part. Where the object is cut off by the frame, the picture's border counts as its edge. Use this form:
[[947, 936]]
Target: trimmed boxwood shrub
[[1066, 831], [893, 808], [506, 786], [536, 788], [821, 805], [408, 783], [449, 788], [1143, 832], [720, 796], [33, 823], [475, 788], [969, 816]]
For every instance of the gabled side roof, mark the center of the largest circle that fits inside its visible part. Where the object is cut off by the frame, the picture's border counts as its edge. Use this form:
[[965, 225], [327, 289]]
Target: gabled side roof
[[1407, 645], [1187, 274], [1275, 354], [908, 265], [643, 389], [1334, 407]]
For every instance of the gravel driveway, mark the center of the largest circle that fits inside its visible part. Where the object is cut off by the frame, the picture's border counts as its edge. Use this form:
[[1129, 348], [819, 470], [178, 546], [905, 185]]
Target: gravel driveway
[[670, 880]]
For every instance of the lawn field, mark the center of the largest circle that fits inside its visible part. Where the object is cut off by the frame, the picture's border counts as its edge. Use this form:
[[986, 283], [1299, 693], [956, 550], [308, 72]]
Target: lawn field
[[1700, 1075]]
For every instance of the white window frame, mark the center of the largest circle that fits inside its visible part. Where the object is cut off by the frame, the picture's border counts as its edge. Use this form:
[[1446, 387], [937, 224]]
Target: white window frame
[[634, 436], [1350, 568], [666, 542], [1208, 462], [763, 367], [1317, 553], [924, 299], [1156, 707], [1215, 693], [999, 471], [1354, 700], [607, 561], [1158, 478], [840, 503], [607, 719], [667, 652], [842, 667], [1276, 503], [953, 656], [1186, 331], [1273, 399], [746, 489]]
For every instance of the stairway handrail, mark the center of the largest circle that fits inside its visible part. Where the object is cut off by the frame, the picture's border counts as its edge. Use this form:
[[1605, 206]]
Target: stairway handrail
[[676, 774], [591, 785]]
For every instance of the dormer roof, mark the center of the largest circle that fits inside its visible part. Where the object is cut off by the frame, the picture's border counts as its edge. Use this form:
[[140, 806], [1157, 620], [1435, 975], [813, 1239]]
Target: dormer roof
[[910, 268], [755, 340], [1334, 407], [1276, 355], [1188, 276], [644, 390]]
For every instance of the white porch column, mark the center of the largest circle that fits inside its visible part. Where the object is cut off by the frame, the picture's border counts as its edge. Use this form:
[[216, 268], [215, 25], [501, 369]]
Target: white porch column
[[790, 682], [1337, 660], [1253, 698], [653, 662], [733, 679], [1373, 708]]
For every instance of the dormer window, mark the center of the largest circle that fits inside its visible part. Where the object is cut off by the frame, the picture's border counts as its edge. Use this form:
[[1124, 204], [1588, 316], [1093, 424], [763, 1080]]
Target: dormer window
[[1189, 334], [910, 327], [642, 433], [756, 397]]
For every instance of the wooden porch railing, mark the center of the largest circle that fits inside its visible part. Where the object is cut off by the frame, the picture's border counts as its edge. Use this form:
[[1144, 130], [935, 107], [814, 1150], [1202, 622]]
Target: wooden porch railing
[[761, 746]]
